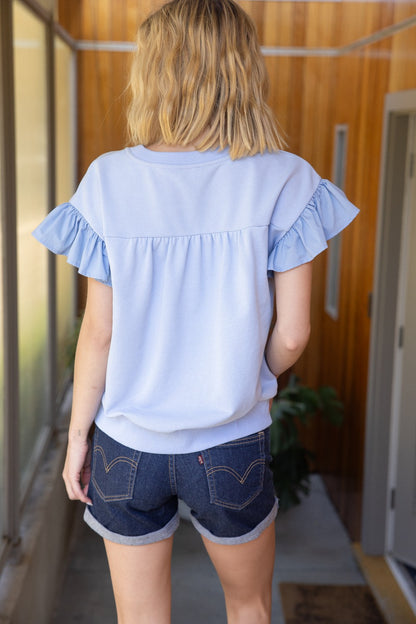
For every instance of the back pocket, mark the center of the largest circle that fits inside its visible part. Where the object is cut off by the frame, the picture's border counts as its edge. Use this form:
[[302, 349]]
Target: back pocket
[[114, 468], [235, 471]]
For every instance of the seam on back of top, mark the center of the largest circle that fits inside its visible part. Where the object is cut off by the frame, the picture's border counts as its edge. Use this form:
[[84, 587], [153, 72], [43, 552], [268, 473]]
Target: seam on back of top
[[194, 235]]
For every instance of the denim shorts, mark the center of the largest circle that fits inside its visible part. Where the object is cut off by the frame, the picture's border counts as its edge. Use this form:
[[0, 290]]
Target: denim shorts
[[228, 488]]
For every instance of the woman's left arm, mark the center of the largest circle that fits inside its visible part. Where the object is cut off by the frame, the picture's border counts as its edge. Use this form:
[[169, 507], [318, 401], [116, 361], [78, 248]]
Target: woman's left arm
[[89, 381]]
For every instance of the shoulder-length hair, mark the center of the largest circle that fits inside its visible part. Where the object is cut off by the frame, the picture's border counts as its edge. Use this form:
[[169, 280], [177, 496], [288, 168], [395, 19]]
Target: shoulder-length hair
[[198, 78]]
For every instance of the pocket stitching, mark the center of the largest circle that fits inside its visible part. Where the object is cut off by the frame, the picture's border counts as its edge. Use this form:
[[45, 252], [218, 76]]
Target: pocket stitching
[[116, 460], [234, 506], [234, 473], [259, 438], [134, 462]]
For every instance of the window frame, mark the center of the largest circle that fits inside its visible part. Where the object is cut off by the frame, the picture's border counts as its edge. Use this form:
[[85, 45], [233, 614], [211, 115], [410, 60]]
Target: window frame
[[333, 270], [16, 493]]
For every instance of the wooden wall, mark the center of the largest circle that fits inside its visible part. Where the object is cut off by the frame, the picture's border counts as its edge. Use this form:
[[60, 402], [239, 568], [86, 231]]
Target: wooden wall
[[310, 94]]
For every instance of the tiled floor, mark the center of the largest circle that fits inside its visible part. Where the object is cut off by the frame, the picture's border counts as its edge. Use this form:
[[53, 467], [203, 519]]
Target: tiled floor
[[312, 546]]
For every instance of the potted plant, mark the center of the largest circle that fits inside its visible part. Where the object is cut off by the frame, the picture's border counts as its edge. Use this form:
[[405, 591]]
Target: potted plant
[[297, 404]]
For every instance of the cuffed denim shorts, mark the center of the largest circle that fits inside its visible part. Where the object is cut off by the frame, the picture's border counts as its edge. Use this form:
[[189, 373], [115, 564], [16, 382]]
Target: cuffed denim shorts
[[228, 488]]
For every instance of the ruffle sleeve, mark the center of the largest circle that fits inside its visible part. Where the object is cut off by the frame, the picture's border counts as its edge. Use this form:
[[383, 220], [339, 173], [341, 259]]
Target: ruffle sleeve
[[65, 231], [327, 213]]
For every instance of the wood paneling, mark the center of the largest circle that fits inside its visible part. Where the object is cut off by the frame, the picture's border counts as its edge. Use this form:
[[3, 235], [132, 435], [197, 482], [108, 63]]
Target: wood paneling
[[348, 90], [368, 76], [326, 24], [102, 79], [309, 95], [278, 23], [105, 20]]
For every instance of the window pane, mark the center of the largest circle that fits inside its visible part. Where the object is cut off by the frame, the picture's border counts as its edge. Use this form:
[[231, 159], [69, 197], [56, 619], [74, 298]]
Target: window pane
[[333, 274], [334, 251], [31, 153], [1, 366], [1, 395], [65, 158]]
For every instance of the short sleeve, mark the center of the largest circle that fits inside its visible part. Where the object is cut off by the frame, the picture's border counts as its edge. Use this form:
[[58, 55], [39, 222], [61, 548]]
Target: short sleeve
[[66, 231], [327, 213]]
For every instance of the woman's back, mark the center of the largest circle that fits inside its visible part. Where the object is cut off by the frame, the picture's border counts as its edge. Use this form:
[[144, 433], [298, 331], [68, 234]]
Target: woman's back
[[190, 238]]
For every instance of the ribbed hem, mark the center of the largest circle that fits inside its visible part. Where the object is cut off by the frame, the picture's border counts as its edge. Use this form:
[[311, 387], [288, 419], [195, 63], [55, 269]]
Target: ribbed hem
[[182, 159], [131, 434]]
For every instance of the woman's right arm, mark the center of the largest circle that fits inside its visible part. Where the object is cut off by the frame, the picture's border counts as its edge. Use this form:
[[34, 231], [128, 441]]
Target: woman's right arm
[[89, 381], [291, 331]]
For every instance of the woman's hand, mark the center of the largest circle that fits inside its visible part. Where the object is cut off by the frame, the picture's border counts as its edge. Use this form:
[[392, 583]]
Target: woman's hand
[[77, 470]]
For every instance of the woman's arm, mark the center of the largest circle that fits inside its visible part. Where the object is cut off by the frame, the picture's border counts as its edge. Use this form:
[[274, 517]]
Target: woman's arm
[[291, 332], [89, 380]]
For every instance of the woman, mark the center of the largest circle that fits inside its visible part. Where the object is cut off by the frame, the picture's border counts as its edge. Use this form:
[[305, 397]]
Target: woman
[[188, 238]]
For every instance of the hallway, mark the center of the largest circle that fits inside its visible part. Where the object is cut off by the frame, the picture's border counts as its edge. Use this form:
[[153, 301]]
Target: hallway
[[342, 87]]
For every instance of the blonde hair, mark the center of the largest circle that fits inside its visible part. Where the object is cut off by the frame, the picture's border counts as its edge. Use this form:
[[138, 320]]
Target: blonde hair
[[198, 78]]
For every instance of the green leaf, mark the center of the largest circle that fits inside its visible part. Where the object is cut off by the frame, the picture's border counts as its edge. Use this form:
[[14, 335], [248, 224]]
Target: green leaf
[[332, 408], [297, 405]]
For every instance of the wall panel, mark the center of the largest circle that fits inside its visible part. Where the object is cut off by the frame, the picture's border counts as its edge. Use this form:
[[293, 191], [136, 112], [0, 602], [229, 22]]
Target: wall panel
[[102, 79], [326, 24], [104, 20], [403, 59], [363, 80]]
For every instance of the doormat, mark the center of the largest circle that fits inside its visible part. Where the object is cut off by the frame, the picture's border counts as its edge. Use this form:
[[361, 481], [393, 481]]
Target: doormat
[[329, 604]]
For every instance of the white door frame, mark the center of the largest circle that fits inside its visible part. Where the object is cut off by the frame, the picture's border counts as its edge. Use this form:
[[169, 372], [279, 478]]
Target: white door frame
[[376, 494], [396, 406], [393, 559]]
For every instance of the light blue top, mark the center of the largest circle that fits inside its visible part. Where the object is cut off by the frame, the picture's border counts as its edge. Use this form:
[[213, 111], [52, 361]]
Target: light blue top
[[188, 241]]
